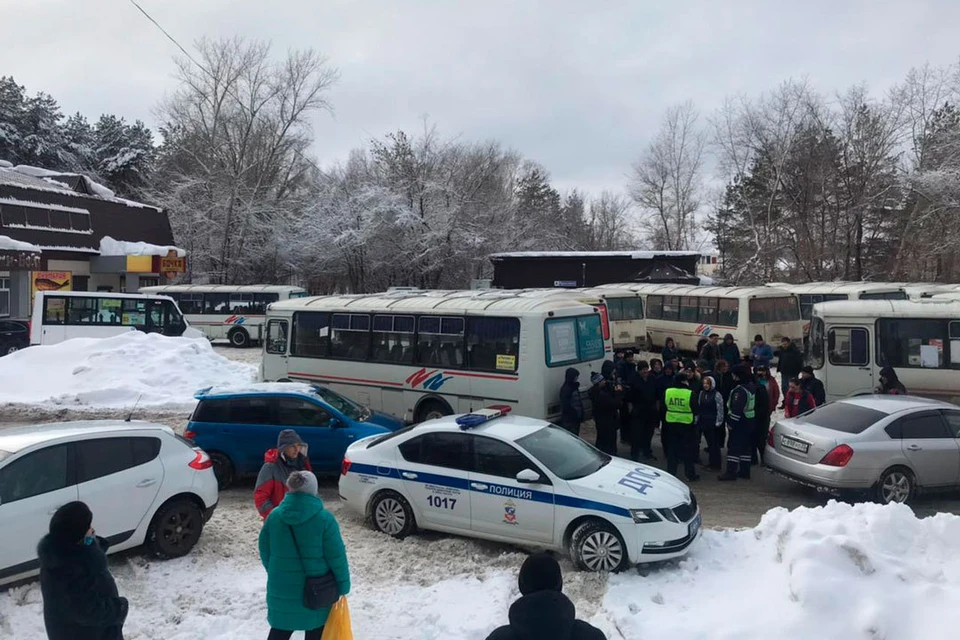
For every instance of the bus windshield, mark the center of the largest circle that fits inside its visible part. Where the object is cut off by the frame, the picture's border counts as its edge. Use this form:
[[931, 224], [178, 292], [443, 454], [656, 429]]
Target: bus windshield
[[770, 310]]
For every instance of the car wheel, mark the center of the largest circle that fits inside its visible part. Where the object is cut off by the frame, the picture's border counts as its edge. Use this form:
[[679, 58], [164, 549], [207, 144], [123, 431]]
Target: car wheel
[[895, 485], [175, 529], [391, 514], [223, 469], [12, 348], [239, 338], [431, 410], [597, 546]]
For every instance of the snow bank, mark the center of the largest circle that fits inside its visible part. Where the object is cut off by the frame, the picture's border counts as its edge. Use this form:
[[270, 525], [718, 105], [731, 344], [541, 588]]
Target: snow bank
[[115, 372], [9, 244], [111, 247]]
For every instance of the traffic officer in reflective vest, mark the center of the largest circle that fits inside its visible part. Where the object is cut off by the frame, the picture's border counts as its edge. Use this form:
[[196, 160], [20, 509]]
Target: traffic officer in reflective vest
[[741, 424], [682, 430]]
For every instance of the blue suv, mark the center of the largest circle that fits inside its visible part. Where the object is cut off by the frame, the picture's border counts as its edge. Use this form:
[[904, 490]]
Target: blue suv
[[237, 426]]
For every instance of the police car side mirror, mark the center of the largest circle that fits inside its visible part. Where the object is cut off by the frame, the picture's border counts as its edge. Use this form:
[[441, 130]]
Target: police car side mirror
[[528, 476]]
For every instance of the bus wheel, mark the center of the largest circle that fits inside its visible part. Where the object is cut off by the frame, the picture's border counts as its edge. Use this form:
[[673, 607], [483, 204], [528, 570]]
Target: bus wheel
[[431, 410], [239, 338]]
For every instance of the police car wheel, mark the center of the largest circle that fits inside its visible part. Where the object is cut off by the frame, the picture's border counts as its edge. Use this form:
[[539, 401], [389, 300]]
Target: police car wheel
[[392, 515], [596, 546]]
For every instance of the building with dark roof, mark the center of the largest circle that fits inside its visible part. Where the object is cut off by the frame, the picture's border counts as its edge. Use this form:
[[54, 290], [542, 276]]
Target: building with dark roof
[[538, 269]]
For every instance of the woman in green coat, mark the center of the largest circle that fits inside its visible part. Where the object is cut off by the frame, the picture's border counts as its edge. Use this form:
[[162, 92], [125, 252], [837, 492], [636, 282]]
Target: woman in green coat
[[301, 513]]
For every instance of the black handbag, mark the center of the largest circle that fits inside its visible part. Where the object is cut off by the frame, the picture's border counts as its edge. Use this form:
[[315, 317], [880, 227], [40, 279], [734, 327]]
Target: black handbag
[[319, 592]]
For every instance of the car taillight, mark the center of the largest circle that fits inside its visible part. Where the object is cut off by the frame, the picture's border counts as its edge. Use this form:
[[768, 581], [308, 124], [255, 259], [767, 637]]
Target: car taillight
[[189, 435], [770, 438], [838, 456], [201, 461], [345, 467]]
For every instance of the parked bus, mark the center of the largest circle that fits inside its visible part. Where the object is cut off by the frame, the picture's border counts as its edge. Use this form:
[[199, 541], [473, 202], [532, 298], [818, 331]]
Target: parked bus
[[812, 293], [851, 341], [689, 314], [623, 310], [227, 312], [423, 354], [62, 315]]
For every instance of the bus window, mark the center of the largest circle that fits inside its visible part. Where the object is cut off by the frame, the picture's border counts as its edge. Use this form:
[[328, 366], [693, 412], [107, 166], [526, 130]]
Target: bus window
[[260, 302], [440, 341], [770, 310], [168, 318], [912, 342], [671, 307], [242, 303], [848, 346], [615, 309], [191, 302], [311, 334], [708, 311], [218, 303], [806, 304], [493, 344], [632, 308], [816, 343], [54, 310], [81, 310], [350, 336], [883, 295], [689, 309], [955, 345], [393, 339], [728, 313], [655, 307], [110, 311]]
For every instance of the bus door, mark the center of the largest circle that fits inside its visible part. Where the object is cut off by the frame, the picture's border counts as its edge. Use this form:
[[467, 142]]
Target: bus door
[[276, 346], [848, 361]]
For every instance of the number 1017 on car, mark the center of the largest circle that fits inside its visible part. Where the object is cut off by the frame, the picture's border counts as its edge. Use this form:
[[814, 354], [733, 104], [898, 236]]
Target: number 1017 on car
[[441, 503]]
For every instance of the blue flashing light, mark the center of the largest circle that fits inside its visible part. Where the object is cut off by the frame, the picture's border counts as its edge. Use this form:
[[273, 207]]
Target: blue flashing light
[[475, 419]]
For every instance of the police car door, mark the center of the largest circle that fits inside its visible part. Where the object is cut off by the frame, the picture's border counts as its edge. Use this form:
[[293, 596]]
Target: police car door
[[435, 475], [502, 506]]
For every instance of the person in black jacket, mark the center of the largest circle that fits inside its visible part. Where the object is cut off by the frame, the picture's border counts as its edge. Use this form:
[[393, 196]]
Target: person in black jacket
[[710, 420], [814, 386], [725, 385], [606, 398], [890, 384], [670, 351], [571, 407], [80, 598], [626, 370], [710, 351], [644, 399], [542, 612], [789, 362]]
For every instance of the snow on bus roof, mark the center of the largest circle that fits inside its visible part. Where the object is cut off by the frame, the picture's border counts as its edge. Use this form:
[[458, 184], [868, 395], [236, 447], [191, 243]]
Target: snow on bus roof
[[633, 255], [694, 290], [930, 307], [439, 301], [221, 288], [835, 287]]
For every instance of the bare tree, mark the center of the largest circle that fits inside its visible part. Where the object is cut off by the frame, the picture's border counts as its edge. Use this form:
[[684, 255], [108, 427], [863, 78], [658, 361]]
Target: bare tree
[[667, 180], [609, 222]]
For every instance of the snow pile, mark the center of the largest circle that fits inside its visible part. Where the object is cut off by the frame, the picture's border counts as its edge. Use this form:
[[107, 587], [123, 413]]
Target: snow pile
[[115, 372], [111, 247], [9, 244]]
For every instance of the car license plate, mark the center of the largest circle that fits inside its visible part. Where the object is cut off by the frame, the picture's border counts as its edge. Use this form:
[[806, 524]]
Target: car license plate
[[694, 526], [793, 444]]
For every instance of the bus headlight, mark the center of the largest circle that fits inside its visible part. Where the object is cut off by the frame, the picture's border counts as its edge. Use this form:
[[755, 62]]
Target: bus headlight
[[641, 516]]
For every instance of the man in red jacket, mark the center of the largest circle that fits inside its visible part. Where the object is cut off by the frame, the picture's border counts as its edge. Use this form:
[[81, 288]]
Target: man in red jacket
[[289, 456]]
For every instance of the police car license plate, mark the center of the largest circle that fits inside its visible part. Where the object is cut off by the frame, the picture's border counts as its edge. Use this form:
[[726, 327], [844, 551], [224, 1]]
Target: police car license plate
[[796, 445], [694, 526]]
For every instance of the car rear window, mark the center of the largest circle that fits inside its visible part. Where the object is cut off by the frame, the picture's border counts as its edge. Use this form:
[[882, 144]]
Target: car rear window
[[842, 416]]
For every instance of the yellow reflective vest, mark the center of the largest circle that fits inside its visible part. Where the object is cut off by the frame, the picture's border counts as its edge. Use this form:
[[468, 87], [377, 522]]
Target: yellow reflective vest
[[679, 409]]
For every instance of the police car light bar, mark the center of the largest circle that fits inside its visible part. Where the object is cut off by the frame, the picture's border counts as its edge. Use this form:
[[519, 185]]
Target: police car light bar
[[475, 419]]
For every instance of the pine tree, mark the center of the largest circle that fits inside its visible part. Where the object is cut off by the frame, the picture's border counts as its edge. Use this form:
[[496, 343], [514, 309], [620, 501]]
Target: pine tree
[[12, 105]]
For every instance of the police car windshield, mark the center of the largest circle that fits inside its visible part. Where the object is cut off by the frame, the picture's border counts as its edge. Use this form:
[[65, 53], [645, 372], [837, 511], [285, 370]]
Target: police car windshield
[[567, 456]]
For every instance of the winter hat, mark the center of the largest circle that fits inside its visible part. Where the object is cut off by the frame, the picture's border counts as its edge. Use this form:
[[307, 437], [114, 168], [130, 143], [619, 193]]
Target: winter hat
[[741, 372], [643, 365], [596, 378], [286, 438], [71, 522], [302, 482], [540, 572], [807, 369]]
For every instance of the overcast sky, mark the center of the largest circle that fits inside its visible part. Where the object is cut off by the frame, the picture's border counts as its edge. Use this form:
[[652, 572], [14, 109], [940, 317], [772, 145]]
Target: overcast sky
[[577, 86]]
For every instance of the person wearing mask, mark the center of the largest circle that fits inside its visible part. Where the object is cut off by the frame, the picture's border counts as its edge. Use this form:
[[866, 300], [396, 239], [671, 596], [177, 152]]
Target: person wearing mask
[[890, 384], [80, 597], [300, 538], [626, 369], [710, 420], [670, 351], [289, 456], [797, 400], [644, 400], [789, 362], [606, 401], [682, 429], [542, 612], [664, 382], [571, 406], [814, 386], [741, 412], [729, 351], [761, 352], [763, 411], [711, 350]]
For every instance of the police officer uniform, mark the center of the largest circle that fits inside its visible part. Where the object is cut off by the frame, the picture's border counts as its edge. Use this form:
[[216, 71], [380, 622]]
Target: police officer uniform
[[682, 430], [741, 420]]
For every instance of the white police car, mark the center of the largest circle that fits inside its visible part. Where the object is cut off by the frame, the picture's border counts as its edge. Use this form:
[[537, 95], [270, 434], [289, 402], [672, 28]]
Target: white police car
[[523, 481]]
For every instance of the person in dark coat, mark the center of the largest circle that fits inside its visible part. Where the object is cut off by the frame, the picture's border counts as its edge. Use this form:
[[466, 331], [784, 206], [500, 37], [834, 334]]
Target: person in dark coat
[[571, 406], [664, 382], [710, 351], [656, 367], [789, 363], [741, 412], [80, 597], [890, 383], [626, 370], [542, 612], [670, 351], [644, 400], [725, 385], [814, 386], [729, 351], [761, 420], [710, 420], [606, 400]]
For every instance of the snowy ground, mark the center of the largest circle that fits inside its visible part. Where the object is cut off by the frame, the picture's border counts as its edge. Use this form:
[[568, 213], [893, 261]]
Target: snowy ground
[[830, 572]]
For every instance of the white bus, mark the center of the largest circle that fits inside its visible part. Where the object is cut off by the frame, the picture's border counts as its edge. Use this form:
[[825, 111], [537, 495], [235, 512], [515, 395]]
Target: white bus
[[689, 314], [851, 341], [227, 312], [812, 293], [424, 354], [62, 315]]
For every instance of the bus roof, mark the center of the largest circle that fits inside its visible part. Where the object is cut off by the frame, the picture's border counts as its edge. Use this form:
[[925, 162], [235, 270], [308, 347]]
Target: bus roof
[[929, 308], [431, 301], [221, 288], [693, 290], [836, 287]]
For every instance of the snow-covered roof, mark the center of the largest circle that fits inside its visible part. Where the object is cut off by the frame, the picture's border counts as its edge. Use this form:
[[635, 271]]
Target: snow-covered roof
[[41, 179], [633, 255], [111, 247], [9, 244]]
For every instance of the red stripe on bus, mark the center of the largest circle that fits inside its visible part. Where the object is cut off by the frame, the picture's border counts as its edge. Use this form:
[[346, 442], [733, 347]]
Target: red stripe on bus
[[480, 375], [310, 375]]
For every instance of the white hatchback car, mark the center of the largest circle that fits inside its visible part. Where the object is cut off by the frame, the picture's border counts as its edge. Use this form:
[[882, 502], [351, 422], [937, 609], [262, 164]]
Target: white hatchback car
[[523, 481], [144, 484]]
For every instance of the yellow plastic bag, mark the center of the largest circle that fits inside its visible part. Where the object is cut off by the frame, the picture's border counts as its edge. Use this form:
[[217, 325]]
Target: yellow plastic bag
[[338, 622]]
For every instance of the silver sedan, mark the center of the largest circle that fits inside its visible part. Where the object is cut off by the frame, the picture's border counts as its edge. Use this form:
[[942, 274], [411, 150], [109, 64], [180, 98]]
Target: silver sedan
[[891, 446]]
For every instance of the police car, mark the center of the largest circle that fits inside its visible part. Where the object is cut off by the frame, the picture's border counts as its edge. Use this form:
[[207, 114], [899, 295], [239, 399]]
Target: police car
[[523, 481]]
